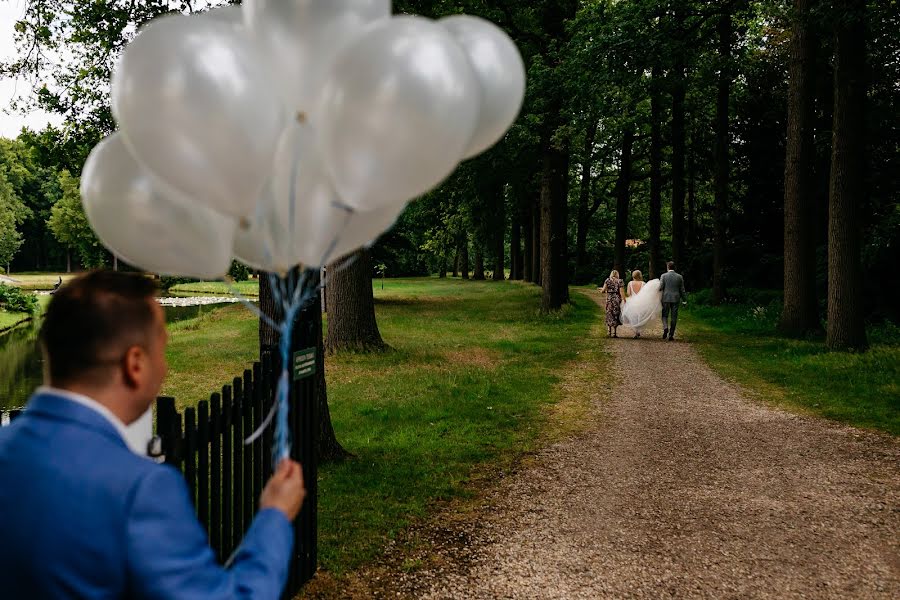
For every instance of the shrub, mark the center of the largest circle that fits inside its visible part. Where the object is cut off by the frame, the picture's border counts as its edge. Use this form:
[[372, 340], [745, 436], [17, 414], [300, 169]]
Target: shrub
[[168, 282], [15, 300], [239, 271]]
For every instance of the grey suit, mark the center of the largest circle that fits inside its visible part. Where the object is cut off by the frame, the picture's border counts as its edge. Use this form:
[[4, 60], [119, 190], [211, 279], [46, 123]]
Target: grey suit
[[671, 285]]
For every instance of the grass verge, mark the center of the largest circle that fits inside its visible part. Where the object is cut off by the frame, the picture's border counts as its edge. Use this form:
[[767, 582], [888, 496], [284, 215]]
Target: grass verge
[[246, 288], [859, 389]]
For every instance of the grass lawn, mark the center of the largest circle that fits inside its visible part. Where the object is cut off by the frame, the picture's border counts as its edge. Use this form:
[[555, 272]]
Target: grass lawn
[[859, 389], [246, 288], [470, 381], [39, 281]]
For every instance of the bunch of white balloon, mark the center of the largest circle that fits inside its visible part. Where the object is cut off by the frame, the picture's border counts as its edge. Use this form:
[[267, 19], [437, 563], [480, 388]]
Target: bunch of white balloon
[[286, 132]]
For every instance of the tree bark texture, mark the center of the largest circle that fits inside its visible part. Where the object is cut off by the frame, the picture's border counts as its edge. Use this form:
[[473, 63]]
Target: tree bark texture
[[692, 200], [623, 198], [528, 245], [554, 230], [846, 327], [464, 256], [536, 242], [478, 269], [655, 173], [584, 199], [724, 28], [351, 306], [499, 234], [800, 311], [515, 249], [679, 91]]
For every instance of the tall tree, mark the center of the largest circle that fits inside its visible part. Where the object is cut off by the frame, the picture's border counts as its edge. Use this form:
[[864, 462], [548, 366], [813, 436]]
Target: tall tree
[[623, 196], [800, 312], [554, 237], [584, 199], [655, 171], [12, 213], [679, 92], [515, 249], [846, 326], [725, 30], [478, 267], [351, 306]]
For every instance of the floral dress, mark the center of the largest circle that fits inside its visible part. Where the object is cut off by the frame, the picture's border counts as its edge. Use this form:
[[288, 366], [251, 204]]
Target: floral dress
[[613, 302]]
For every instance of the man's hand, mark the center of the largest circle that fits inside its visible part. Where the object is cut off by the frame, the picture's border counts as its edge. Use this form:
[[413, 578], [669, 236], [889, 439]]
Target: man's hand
[[285, 489]]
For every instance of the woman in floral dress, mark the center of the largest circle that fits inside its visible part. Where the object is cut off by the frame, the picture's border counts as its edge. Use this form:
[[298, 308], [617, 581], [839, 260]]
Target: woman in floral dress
[[615, 296]]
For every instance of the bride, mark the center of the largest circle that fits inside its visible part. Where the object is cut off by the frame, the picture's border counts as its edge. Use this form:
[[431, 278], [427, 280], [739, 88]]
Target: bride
[[643, 305]]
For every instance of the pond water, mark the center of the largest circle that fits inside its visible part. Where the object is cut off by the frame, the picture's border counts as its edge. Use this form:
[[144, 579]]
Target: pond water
[[21, 365]]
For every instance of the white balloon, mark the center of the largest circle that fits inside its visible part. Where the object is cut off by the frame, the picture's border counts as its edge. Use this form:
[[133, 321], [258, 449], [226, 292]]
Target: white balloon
[[501, 72], [397, 112], [300, 40], [147, 225], [196, 109], [318, 228]]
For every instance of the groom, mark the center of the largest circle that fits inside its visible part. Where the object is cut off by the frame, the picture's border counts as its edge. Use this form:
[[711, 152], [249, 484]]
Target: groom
[[83, 516], [671, 285]]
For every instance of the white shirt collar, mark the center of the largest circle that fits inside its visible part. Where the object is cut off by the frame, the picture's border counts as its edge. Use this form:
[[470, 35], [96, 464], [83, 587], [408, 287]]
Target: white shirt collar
[[91, 404]]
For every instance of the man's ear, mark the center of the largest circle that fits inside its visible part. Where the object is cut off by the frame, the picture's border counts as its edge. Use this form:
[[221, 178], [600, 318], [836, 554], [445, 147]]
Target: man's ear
[[133, 367]]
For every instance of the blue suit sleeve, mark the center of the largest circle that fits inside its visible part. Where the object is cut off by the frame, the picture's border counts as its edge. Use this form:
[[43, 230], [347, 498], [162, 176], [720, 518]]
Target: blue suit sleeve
[[169, 556]]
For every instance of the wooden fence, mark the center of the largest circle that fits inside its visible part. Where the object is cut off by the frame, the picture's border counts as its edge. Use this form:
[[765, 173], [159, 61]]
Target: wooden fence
[[225, 476]]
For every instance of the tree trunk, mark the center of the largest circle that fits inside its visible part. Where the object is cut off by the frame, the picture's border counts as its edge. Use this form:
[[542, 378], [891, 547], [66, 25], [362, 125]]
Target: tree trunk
[[536, 242], [554, 228], [655, 173], [499, 232], [846, 327], [528, 259], [478, 271], [515, 250], [692, 200], [442, 267], [307, 329], [456, 263], [68, 260], [623, 198], [351, 306], [800, 312], [464, 257], [679, 90], [724, 29], [584, 199]]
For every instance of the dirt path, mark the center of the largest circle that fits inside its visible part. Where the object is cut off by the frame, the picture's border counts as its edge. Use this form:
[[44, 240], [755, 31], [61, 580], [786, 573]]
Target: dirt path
[[684, 489]]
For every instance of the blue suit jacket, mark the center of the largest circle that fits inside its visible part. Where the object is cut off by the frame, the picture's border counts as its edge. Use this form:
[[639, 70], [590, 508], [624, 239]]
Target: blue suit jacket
[[84, 517]]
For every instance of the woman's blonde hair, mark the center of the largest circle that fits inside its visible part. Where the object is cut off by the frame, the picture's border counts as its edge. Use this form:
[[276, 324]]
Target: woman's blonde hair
[[637, 276], [614, 274]]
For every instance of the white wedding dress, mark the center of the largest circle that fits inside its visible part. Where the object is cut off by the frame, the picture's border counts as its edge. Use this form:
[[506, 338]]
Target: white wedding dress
[[643, 308]]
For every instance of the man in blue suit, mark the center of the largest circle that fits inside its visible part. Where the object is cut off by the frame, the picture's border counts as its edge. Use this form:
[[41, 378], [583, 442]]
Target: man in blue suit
[[85, 517]]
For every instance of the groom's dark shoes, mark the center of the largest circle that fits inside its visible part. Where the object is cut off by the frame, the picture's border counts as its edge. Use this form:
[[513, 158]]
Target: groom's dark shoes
[[665, 333]]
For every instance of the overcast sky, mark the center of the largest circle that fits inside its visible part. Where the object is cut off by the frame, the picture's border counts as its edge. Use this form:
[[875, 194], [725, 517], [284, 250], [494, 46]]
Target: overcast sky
[[11, 124]]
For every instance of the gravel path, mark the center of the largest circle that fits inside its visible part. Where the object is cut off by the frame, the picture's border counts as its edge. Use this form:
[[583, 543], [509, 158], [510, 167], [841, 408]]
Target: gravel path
[[685, 489]]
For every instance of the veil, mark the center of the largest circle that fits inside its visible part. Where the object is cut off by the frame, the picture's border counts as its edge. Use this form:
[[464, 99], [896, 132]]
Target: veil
[[643, 307]]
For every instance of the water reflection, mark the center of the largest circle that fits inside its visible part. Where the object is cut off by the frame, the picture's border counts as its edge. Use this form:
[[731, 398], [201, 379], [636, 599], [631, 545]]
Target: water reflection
[[21, 365]]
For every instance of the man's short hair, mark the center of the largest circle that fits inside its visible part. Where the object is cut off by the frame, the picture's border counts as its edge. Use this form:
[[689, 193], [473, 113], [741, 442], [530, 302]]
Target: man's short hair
[[670, 265], [92, 320]]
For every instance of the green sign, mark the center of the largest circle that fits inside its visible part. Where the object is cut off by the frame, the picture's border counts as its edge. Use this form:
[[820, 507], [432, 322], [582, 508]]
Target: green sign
[[304, 363]]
